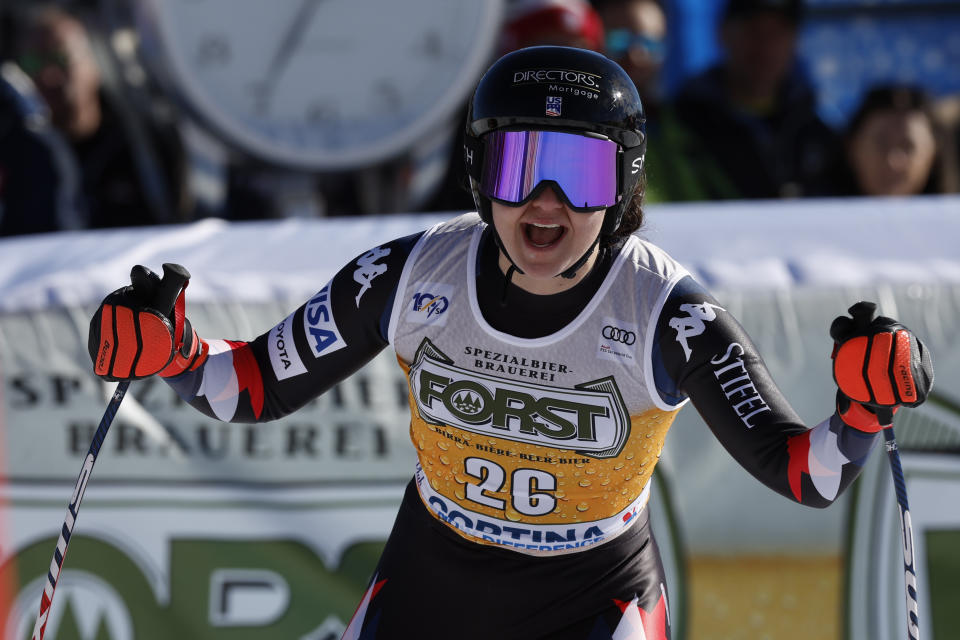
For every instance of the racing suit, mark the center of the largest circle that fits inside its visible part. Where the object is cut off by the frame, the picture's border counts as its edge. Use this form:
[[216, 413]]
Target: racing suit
[[537, 422]]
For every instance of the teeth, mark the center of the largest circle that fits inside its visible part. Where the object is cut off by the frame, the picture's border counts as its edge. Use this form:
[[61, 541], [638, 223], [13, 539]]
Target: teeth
[[544, 226]]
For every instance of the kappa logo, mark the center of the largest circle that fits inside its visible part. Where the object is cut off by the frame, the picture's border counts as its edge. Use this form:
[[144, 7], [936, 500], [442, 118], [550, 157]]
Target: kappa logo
[[693, 323], [369, 269]]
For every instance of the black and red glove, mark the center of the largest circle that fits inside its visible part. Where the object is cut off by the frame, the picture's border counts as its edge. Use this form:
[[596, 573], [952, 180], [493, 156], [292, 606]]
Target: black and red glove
[[879, 366], [141, 330]]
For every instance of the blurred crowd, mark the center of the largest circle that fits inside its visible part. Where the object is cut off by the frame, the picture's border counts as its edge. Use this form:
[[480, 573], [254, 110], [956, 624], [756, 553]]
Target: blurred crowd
[[81, 148]]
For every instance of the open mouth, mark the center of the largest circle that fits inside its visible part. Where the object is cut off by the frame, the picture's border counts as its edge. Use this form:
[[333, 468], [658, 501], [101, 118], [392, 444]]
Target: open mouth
[[542, 236]]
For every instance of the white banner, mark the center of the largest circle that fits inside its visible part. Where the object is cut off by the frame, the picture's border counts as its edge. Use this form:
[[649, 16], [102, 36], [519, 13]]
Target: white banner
[[172, 487]]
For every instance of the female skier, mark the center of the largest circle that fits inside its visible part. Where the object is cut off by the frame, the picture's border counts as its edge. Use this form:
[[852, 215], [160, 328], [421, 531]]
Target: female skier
[[547, 349]]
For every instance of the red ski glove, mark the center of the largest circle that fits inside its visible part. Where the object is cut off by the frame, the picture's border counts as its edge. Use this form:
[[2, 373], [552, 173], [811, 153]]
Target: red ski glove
[[879, 366], [130, 339]]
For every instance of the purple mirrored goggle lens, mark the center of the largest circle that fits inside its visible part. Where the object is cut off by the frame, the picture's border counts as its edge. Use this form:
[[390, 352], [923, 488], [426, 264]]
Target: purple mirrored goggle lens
[[516, 162]]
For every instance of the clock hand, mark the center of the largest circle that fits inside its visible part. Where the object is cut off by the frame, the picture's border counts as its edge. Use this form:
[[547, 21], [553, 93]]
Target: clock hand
[[288, 44]]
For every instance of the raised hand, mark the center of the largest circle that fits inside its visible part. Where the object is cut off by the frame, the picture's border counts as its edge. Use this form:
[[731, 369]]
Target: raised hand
[[879, 365]]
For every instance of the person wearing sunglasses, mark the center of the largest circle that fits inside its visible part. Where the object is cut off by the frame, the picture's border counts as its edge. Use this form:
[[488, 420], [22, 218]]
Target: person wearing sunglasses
[[132, 162], [636, 39], [547, 349]]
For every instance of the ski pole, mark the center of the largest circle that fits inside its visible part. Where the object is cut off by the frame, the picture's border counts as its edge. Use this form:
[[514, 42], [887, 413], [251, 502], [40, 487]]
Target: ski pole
[[906, 535], [174, 277]]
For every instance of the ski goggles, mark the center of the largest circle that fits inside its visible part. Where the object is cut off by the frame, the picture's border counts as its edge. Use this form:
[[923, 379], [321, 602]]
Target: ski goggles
[[517, 165]]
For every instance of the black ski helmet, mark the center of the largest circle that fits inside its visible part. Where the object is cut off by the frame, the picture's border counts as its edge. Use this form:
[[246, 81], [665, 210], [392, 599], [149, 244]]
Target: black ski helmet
[[597, 97]]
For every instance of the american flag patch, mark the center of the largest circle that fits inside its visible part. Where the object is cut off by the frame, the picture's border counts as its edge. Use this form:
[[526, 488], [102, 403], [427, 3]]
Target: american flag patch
[[553, 105]]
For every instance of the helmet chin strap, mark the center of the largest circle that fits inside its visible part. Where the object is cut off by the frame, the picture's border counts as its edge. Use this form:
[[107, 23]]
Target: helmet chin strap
[[568, 273], [513, 268], [571, 271]]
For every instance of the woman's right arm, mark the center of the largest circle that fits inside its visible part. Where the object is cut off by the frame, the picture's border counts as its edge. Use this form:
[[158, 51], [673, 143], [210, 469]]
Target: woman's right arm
[[324, 341]]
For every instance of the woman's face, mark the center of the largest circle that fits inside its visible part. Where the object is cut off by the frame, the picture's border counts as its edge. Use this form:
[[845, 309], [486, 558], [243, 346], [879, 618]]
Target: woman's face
[[892, 153], [545, 237]]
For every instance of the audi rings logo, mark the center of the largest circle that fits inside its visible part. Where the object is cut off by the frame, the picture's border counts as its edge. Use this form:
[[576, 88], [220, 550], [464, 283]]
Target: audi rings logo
[[619, 335]]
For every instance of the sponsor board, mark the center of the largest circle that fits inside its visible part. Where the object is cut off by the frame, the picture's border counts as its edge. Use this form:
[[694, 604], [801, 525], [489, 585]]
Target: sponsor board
[[218, 568], [357, 430]]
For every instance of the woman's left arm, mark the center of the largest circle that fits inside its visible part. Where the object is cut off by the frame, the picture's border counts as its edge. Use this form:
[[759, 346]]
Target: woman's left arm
[[702, 352]]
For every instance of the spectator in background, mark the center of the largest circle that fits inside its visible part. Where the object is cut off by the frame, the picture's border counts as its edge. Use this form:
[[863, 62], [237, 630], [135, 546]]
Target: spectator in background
[[755, 111], [947, 113], [677, 166], [38, 174], [132, 168], [635, 38], [527, 23], [565, 23], [891, 145]]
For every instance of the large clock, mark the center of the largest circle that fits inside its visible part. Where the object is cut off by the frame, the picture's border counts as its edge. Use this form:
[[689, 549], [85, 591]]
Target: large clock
[[320, 84]]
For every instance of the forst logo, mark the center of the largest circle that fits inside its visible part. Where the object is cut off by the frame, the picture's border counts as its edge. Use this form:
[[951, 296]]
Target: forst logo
[[590, 418], [468, 403]]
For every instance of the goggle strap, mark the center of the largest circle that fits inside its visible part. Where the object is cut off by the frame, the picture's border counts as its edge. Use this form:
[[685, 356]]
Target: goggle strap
[[473, 156], [633, 161]]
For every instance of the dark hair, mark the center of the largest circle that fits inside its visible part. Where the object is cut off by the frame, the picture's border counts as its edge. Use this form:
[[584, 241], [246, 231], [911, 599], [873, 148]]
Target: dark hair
[[890, 97], [901, 98], [632, 219]]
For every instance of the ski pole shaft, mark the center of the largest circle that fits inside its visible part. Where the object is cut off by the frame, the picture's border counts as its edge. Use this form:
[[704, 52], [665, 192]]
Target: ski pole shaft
[[906, 535], [53, 575]]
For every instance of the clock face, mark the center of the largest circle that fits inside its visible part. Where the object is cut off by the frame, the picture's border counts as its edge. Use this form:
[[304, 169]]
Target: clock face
[[322, 84]]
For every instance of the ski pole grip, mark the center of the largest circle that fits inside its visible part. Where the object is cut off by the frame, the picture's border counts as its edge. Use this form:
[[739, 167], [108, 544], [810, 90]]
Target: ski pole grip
[[175, 277]]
